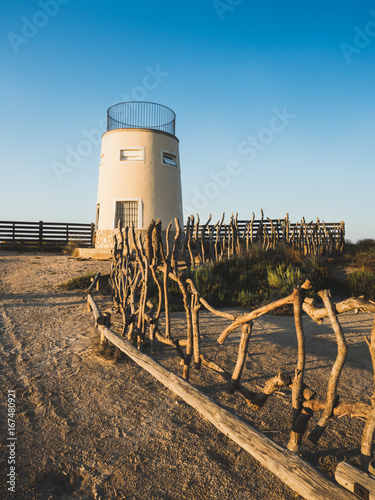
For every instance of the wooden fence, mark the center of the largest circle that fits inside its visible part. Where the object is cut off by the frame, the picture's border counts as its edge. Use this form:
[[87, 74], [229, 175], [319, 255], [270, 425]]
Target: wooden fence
[[157, 262], [44, 233], [211, 241]]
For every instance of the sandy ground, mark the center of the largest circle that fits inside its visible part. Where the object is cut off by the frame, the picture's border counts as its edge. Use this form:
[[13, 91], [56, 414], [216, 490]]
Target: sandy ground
[[88, 427]]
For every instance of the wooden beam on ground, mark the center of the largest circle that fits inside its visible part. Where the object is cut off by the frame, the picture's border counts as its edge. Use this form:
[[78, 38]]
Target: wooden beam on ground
[[356, 481], [291, 469], [99, 319]]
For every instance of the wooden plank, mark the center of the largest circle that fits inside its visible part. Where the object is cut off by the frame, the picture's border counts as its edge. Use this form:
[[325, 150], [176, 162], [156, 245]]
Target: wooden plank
[[20, 222], [355, 480], [291, 469], [70, 224], [25, 229]]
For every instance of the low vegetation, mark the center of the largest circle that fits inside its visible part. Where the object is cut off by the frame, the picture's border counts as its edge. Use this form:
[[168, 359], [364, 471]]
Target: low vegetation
[[255, 278], [30, 246], [79, 282], [258, 277], [47, 247], [359, 261]]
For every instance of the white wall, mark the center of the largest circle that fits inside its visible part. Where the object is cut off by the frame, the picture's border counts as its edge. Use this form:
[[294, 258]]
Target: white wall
[[158, 186]]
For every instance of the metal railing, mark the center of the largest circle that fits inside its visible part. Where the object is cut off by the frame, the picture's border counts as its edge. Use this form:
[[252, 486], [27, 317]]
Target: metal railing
[[141, 114]]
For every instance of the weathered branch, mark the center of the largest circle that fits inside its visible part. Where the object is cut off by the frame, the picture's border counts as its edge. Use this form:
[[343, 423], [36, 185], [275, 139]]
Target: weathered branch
[[242, 351], [342, 350], [258, 312], [351, 304]]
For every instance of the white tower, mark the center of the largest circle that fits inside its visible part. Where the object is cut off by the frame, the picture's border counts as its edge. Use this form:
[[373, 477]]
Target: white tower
[[139, 173]]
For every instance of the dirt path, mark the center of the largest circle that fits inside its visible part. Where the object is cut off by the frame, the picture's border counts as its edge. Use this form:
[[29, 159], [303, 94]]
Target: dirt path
[[92, 428]]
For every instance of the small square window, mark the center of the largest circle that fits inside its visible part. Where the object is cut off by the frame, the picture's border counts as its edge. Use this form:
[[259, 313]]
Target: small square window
[[169, 159], [132, 154]]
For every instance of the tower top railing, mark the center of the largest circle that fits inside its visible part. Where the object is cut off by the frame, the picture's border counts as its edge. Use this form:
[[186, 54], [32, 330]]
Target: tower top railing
[[141, 114]]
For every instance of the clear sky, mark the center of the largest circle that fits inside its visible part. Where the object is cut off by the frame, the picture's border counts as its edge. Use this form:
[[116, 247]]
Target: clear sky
[[274, 102]]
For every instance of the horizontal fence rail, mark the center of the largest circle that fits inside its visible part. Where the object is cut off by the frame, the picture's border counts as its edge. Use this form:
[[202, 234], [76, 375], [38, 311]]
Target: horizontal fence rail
[[46, 232]]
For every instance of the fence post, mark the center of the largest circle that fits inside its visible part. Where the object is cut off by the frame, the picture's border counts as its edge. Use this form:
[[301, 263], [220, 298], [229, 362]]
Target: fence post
[[67, 234], [92, 235], [14, 232], [40, 233]]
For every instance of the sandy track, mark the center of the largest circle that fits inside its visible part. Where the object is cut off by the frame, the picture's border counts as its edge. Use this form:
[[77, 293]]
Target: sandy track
[[88, 427]]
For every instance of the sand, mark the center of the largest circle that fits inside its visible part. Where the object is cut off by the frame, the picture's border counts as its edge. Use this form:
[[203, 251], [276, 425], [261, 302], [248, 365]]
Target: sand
[[89, 427]]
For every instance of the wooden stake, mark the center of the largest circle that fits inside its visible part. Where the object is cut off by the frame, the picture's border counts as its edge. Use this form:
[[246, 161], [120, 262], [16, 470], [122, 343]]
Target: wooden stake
[[342, 350], [297, 387], [242, 351]]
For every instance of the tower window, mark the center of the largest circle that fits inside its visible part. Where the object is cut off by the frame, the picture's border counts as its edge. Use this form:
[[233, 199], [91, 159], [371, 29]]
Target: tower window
[[132, 154], [97, 216], [127, 211], [169, 159]]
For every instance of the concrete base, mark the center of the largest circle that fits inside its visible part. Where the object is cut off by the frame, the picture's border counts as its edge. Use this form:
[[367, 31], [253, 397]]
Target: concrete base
[[92, 253]]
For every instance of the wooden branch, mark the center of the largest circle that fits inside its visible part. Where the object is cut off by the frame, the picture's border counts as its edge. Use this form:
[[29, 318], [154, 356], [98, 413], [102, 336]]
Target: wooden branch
[[295, 472], [204, 303], [214, 366], [258, 312], [175, 275], [356, 304], [342, 350], [94, 282], [272, 385], [367, 440], [297, 387], [355, 481], [369, 429], [242, 351], [356, 409], [170, 342], [371, 345], [195, 306], [246, 393]]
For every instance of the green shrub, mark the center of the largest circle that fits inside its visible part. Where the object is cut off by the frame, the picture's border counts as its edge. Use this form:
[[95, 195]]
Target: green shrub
[[284, 278], [362, 283], [360, 254], [79, 283]]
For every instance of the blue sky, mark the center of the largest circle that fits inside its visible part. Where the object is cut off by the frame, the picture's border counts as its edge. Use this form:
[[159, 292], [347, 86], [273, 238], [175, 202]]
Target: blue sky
[[274, 102]]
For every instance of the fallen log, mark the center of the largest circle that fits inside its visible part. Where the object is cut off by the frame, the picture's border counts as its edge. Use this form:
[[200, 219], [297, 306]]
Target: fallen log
[[356, 481]]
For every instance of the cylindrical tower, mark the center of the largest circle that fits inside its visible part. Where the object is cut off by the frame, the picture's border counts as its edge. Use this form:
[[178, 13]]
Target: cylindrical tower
[[139, 173]]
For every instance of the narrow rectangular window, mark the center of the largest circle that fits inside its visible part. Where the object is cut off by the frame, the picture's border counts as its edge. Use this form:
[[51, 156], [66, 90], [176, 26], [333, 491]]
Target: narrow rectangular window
[[132, 154], [169, 159], [127, 211], [97, 216]]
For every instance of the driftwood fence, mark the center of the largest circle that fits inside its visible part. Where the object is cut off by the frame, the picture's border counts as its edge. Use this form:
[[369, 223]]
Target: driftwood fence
[[44, 233], [158, 260], [213, 241]]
